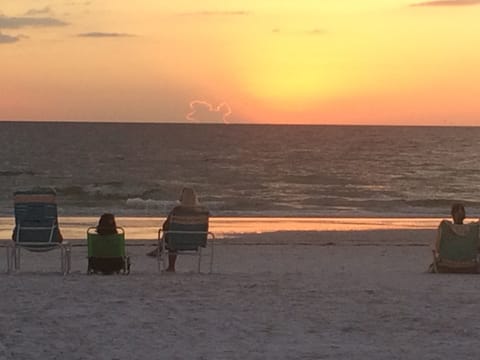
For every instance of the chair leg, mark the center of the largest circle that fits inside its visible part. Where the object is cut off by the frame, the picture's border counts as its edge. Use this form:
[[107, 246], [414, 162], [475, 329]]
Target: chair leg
[[126, 265], [164, 261], [434, 263], [17, 257], [66, 254], [65, 259], [160, 261], [9, 259], [199, 259], [62, 260], [69, 259], [211, 259]]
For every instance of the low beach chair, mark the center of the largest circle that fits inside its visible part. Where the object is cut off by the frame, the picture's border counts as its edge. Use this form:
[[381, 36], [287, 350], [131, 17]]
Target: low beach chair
[[36, 227], [457, 248], [186, 235], [106, 253]]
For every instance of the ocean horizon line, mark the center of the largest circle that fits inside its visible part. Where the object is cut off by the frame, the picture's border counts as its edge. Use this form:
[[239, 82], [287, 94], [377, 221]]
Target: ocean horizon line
[[234, 124]]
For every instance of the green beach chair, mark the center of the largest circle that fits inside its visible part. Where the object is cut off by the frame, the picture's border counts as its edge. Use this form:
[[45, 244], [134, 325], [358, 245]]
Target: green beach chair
[[458, 248], [106, 253], [186, 235], [36, 227]]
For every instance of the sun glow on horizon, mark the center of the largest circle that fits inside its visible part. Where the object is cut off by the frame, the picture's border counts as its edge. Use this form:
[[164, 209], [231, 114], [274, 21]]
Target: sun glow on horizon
[[371, 62]]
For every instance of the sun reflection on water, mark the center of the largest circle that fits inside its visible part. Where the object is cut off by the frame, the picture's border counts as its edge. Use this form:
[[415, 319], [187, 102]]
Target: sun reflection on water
[[146, 228]]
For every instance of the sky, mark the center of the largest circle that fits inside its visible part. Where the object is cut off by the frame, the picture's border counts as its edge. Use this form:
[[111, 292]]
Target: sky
[[389, 62]]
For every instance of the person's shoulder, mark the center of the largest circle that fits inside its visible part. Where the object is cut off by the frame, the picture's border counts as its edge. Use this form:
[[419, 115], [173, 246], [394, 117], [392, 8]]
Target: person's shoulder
[[202, 209], [444, 224]]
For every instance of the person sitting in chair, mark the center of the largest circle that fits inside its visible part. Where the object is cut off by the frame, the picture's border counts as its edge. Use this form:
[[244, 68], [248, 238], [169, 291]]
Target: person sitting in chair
[[189, 205], [458, 215], [106, 225], [456, 246]]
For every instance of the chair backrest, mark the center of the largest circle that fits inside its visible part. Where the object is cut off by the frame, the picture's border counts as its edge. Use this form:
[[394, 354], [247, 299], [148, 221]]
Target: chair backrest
[[36, 216], [106, 246], [459, 242], [188, 232]]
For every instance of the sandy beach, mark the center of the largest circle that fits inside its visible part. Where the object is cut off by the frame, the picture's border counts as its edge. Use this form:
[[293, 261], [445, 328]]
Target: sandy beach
[[282, 295]]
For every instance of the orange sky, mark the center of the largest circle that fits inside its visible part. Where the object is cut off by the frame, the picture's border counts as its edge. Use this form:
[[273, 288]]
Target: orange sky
[[249, 61]]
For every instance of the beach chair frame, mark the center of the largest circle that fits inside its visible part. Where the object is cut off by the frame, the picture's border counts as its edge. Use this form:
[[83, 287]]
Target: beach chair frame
[[42, 235], [118, 238], [14, 250], [163, 246]]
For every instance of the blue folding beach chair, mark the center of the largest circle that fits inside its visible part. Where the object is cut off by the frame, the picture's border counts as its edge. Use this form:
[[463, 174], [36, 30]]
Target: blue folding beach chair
[[186, 235], [36, 227]]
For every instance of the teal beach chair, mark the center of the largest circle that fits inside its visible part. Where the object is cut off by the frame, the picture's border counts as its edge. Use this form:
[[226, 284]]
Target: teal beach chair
[[186, 235], [457, 248], [106, 253], [36, 227]]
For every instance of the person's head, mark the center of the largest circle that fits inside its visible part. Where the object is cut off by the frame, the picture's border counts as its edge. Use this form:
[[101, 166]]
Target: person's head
[[106, 224], [458, 213], [188, 197]]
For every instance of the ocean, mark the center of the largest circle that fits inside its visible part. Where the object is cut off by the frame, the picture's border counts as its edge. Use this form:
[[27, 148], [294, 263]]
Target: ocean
[[244, 170]]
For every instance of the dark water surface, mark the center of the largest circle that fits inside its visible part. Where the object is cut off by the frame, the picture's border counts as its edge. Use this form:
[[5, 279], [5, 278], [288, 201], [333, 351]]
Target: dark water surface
[[238, 170]]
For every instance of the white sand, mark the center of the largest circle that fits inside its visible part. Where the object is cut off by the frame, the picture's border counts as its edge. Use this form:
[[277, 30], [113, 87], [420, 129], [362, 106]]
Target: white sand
[[317, 295]]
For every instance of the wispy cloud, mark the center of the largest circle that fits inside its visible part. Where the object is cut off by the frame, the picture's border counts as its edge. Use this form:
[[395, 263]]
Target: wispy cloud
[[7, 39], [217, 13], [12, 22], [448, 3], [97, 34], [34, 12], [203, 111]]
